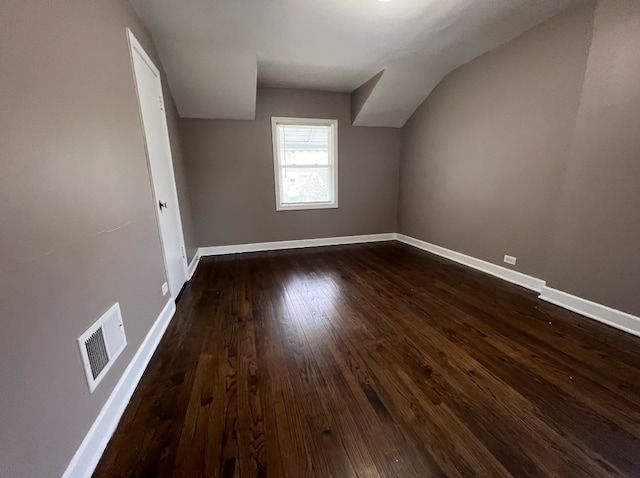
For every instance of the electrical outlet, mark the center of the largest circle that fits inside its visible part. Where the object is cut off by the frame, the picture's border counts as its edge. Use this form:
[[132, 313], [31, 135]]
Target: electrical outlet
[[510, 260], [165, 288]]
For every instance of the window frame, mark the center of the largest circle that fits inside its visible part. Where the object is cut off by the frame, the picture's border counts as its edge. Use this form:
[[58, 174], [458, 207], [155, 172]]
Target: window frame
[[333, 160]]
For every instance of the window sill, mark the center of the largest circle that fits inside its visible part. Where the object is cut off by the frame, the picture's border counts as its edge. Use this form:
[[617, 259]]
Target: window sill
[[304, 207]]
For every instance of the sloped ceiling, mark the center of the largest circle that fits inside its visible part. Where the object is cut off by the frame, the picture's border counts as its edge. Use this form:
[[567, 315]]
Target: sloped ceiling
[[216, 52]]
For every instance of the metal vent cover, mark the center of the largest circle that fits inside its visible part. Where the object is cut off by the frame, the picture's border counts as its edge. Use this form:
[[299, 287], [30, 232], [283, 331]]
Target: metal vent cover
[[97, 352], [101, 344]]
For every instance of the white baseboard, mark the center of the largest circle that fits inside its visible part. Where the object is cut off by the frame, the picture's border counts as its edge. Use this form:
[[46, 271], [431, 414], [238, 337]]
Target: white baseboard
[[298, 244], [615, 318], [90, 451], [509, 275], [86, 458], [193, 265]]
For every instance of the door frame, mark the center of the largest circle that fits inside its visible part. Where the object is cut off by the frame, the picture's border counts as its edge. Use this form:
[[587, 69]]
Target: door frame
[[136, 47]]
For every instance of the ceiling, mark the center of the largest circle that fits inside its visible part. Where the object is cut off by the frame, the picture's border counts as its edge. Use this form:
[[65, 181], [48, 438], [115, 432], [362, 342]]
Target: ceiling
[[216, 52]]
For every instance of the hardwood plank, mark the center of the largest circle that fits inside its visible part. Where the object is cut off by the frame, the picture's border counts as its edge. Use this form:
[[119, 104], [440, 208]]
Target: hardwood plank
[[377, 361]]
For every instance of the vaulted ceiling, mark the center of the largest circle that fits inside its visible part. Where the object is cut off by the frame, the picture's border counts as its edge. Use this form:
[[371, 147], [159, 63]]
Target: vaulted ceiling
[[389, 55]]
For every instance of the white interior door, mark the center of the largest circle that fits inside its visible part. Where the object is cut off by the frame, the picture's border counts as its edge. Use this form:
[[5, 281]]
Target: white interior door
[[147, 78]]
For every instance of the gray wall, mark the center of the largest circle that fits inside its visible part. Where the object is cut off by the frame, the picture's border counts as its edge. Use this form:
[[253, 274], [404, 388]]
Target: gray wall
[[491, 165], [230, 172], [530, 150], [360, 95], [483, 157], [596, 247], [78, 229]]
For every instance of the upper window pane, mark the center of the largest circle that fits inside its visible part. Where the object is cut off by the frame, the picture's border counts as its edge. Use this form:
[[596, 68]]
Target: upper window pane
[[304, 145], [305, 160]]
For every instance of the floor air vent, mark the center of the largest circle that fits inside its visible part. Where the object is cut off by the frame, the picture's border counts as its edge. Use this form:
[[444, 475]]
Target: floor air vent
[[101, 344]]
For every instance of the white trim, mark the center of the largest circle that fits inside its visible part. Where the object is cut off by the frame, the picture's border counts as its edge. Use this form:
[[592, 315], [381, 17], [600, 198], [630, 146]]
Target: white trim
[[86, 458], [135, 44], [279, 245], [90, 451], [615, 318], [332, 124], [194, 265], [612, 317], [306, 206], [509, 275]]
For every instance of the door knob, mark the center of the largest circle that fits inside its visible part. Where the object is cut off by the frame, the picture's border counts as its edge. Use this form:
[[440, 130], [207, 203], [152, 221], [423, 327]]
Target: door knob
[[162, 205]]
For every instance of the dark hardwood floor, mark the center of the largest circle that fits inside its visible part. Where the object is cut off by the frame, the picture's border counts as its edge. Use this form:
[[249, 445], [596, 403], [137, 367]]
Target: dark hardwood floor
[[377, 361]]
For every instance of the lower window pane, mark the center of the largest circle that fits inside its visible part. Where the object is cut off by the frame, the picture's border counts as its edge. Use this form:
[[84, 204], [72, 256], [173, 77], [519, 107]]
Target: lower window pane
[[305, 185]]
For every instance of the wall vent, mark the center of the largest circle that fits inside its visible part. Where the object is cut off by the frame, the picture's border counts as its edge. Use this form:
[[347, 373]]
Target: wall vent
[[101, 344]]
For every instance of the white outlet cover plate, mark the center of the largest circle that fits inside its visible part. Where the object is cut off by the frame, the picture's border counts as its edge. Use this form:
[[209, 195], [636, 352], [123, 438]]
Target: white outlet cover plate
[[165, 288], [510, 260]]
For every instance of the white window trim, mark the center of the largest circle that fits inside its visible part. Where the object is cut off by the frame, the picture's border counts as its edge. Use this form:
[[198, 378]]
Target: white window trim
[[275, 121]]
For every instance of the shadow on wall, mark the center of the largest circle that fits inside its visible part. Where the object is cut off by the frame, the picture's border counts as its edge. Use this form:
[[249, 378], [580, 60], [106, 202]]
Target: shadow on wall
[[531, 151]]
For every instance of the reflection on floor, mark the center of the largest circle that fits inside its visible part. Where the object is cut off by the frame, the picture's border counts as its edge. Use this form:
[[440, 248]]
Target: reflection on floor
[[377, 361]]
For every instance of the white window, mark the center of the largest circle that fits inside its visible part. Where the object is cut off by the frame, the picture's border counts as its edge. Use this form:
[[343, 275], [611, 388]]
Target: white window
[[305, 155]]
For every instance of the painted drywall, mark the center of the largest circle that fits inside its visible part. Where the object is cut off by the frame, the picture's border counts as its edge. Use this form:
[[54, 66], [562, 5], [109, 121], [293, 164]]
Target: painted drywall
[[360, 95], [596, 248], [78, 229], [230, 173], [532, 151], [215, 51], [483, 158]]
